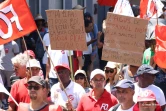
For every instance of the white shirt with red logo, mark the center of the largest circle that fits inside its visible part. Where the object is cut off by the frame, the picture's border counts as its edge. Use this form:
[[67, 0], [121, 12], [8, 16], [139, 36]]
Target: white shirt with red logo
[[74, 92]]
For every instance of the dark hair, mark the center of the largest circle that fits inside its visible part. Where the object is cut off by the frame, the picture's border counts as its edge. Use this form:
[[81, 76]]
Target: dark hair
[[87, 22], [88, 15]]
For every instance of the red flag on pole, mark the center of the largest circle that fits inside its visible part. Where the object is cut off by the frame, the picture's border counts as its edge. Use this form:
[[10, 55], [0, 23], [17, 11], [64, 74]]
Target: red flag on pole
[[160, 50], [107, 2], [149, 8], [15, 20]]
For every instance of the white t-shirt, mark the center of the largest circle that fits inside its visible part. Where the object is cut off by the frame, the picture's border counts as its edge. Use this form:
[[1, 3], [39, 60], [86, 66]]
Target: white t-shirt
[[120, 109], [73, 90], [108, 87], [58, 57], [160, 98], [89, 50], [46, 41]]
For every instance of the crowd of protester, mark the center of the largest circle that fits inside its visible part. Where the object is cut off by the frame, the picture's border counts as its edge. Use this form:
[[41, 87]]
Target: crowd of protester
[[43, 82]]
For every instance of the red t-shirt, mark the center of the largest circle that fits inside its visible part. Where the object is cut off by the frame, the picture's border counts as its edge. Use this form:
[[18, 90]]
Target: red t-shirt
[[19, 92], [25, 107], [76, 62], [88, 103]]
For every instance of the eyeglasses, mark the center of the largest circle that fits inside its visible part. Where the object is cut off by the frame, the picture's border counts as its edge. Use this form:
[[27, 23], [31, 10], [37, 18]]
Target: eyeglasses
[[111, 71], [101, 80], [77, 78], [34, 87]]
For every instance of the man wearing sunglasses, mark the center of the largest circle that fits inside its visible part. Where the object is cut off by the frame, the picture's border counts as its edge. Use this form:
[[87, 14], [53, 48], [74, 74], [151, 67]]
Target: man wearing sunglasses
[[36, 91], [98, 99], [74, 91]]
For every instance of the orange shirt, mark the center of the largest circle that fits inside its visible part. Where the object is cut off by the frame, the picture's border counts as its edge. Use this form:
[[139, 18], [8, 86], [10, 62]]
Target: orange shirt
[[88, 103]]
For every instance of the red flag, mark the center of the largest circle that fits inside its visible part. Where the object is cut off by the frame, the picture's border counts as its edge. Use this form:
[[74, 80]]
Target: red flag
[[149, 8], [15, 20], [160, 50], [107, 2]]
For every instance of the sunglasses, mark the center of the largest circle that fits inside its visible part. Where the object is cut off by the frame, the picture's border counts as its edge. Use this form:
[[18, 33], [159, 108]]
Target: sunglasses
[[34, 87], [77, 78], [111, 71]]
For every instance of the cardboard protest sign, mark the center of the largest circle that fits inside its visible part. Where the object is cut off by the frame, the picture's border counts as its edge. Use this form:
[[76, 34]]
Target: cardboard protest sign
[[66, 29], [124, 39]]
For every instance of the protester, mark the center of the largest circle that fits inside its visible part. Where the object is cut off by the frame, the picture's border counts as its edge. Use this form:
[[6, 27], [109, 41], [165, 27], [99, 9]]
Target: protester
[[19, 62], [8, 51], [57, 57], [124, 93], [147, 102], [98, 99], [93, 35], [36, 91], [81, 78], [146, 75], [19, 90], [73, 90], [88, 52], [112, 71]]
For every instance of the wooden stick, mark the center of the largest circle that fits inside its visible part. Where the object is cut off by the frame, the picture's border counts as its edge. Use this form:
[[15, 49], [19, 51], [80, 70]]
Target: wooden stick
[[54, 66], [28, 56], [71, 67]]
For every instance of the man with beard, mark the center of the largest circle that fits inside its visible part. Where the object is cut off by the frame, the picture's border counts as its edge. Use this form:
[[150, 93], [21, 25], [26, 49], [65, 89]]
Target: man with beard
[[147, 102], [37, 90], [124, 93], [98, 99]]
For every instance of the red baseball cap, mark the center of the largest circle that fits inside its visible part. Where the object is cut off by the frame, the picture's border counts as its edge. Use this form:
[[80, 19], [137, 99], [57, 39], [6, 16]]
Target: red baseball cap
[[146, 95], [62, 66], [30, 53]]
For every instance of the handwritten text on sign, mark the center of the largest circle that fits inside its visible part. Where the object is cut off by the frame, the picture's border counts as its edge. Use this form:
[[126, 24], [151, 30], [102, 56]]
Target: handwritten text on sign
[[66, 29], [124, 39]]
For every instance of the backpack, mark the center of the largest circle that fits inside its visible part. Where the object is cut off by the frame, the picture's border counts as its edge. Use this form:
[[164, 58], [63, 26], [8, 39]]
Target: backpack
[[39, 50], [115, 107]]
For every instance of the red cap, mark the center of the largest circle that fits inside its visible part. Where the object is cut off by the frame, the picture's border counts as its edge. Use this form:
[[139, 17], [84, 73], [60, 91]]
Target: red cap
[[62, 66], [30, 53], [146, 95]]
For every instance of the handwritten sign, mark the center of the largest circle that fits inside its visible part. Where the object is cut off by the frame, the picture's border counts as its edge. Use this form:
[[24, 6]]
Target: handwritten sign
[[66, 29], [124, 39]]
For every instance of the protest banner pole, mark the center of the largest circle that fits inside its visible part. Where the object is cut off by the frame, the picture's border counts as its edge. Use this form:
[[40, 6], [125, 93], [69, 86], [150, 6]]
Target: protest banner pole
[[54, 66], [71, 65], [27, 55]]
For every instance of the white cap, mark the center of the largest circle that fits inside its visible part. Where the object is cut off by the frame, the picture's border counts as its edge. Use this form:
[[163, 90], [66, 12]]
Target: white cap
[[111, 64], [80, 72], [33, 63], [96, 72]]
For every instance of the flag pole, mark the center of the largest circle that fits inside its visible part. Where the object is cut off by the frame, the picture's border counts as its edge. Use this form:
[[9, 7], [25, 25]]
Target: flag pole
[[63, 88], [28, 56], [71, 65]]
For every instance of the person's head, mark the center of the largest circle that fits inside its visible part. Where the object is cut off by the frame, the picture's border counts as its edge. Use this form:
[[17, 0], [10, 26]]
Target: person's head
[[80, 78], [97, 79], [111, 9], [34, 65], [88, 16], [88, 25], [78, 7], [64, 73], [146, 101], [146, 75], [124, 91], [36, 88], [39, 21], [30, 53], [19, 64], [112, 70]]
